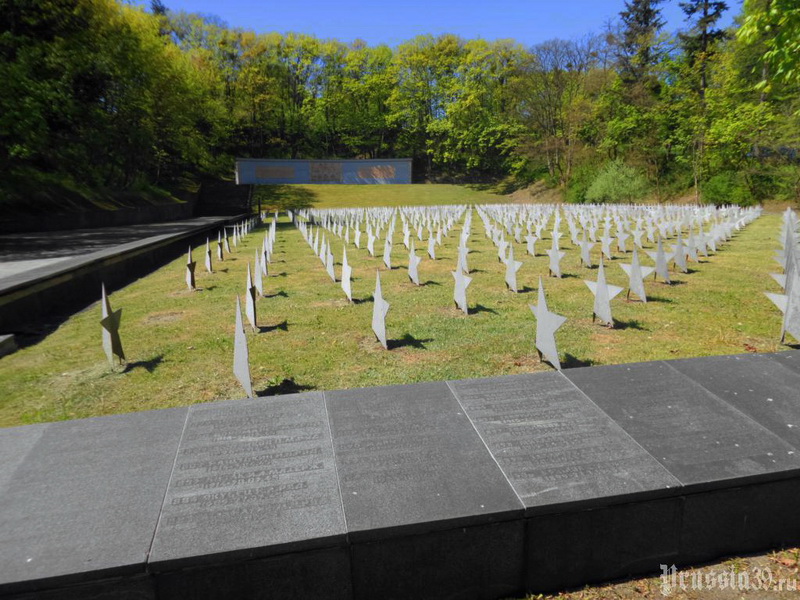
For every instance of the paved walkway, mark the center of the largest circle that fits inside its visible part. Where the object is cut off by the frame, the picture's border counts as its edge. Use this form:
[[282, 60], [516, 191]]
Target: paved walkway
[[24, 251], [25, 257]]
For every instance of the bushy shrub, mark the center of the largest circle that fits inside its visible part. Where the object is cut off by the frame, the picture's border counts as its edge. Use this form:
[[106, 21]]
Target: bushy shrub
[[727, 187], [582, 178], [617, 182]]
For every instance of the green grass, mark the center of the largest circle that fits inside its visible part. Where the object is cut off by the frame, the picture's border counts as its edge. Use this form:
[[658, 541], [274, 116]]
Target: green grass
[[335, 196], [180, 343]]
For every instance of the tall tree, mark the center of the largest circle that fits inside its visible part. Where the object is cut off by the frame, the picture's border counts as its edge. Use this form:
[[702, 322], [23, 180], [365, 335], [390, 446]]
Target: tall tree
[[700, 42], [638, 45]]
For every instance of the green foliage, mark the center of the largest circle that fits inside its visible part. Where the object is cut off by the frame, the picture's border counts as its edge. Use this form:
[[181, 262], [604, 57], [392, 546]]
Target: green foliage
[[775, 23], [638, 49], [617, 182], [727, 187], [582, 178], [101, 97], [93, 95]]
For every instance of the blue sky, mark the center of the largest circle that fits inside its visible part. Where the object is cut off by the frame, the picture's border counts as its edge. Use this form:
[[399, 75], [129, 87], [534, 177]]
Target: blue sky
[[378, 21]]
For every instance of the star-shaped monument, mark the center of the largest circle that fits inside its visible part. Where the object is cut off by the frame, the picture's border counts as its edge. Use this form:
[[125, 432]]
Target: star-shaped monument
[[413, 263], [110, 323], [512, 266], [209, 267], [662, 261], [586, 249], [250, 301], [789, 304], [190, 265], [241, 355], [387, 252], [603, 295], [346, 274], [460, 289], [636, 275], [380, 309], [555, 259], [547, 323]]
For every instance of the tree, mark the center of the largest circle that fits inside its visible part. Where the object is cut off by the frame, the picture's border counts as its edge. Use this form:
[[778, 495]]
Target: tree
[[638, 44], [700, 42], [777, 22]]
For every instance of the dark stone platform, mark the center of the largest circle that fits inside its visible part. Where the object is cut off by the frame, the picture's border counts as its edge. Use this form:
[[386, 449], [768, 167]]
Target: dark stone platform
[[409, 461], [467, 489], [701, 439], [251, 478], [555, 445], [80, 499]]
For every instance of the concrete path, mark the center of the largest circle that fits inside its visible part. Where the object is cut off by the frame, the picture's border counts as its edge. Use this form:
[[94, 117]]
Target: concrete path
[[45, 276], [23, 253]]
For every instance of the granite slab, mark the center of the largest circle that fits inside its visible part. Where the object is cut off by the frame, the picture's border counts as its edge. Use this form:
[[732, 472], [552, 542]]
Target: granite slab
[[319, 574], [252, 478], [702, 440], [554, 444], [573, 548], [84, 498], [761, 388], [410, 461], [484, 561], [788, 358]]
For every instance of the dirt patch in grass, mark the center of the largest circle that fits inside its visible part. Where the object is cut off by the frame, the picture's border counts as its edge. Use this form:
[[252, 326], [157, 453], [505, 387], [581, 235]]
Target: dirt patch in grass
[[159, 318]]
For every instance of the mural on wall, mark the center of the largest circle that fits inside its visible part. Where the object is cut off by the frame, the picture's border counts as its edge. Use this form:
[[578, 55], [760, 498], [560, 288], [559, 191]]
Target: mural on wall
[[284, 171]]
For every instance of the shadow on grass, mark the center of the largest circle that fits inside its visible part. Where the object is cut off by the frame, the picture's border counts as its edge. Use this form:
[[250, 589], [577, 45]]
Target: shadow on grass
[[631, 324], [479, 308], [502, 187], [283, 197], [430, 282], [283, 326], [525, 290], [363, 300], [660, 299], [408, 340], [282, 294], [287, 386], [573, 362], [147, 365]]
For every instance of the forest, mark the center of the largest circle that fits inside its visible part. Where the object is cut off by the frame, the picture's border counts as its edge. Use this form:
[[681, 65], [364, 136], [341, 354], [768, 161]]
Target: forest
[[101, 99]]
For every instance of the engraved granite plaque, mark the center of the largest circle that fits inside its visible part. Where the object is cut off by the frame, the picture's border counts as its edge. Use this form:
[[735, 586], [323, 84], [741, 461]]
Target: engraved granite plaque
[[252, 477], [554, 444]]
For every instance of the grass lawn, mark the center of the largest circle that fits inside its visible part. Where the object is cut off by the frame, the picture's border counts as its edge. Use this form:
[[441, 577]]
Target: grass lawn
[[179, 343], [364, 196]]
